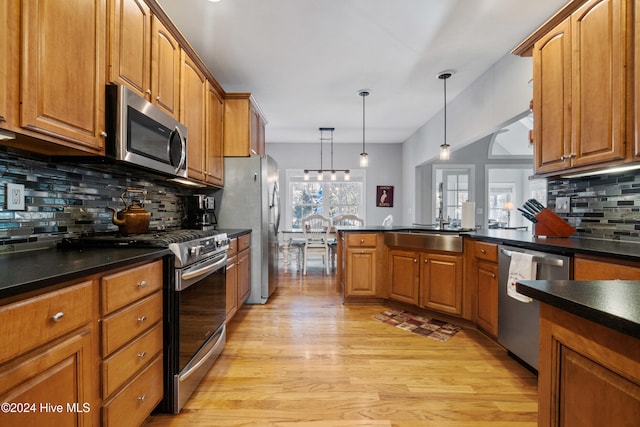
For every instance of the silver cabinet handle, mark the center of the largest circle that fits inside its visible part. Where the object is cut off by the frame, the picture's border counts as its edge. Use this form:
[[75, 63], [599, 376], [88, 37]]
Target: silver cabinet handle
[[142, 284], [58, 316], [103, 134], [142, 398], [482, 251], [142, 355], [142, 319], [148, 92]]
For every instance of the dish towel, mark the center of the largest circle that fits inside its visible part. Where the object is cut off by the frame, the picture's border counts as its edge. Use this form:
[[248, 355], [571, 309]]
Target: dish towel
[[521, 267]]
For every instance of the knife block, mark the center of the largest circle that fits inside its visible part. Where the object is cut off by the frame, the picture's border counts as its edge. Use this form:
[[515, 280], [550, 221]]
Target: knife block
[[551, 225]]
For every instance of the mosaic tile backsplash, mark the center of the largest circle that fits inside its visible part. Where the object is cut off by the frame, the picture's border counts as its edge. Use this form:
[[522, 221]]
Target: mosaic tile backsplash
[[64, 199], [602, 207]]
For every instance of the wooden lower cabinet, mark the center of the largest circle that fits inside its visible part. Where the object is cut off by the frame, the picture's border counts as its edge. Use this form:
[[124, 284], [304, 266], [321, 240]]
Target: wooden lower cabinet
[[232, 279], [430, 280], [597, 268], [131, 344], [441, 282], [48, 375], [486, 276], [361, 259], [588, 375], [244, 268], [52, 387], [404, 273]]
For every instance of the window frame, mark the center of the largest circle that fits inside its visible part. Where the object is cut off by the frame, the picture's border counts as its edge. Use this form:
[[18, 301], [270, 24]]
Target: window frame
[[297, 175]]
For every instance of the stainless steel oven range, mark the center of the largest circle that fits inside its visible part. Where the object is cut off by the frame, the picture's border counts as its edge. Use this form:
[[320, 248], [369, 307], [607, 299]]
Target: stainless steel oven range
[[194, 304], [195, 314]]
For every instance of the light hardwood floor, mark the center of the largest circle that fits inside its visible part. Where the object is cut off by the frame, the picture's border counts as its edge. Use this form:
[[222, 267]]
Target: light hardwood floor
[[304, 359]]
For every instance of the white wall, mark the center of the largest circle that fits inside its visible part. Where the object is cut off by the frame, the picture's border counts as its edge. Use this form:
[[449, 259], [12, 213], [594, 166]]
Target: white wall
[[385, 168], [497, 96]]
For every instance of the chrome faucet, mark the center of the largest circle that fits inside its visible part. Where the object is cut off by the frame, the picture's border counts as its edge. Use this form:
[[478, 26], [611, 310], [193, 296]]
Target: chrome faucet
[[441, 221]]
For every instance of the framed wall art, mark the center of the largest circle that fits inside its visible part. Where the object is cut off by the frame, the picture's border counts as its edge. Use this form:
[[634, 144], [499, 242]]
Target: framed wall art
[[384, 196]]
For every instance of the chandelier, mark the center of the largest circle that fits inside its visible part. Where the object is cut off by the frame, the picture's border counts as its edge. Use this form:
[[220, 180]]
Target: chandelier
[[320, 172]]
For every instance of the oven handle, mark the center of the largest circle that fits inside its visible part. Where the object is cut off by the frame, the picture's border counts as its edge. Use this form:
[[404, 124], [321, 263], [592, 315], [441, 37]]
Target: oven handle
[[204, 270]]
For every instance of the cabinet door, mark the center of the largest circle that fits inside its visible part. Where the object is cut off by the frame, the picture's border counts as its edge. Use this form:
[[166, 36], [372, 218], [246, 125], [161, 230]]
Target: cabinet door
[[244, 276], [130, 45], [636, 32], [192, 112], [57, 376], [552, 99], [165, 69], [361, 272], [487, 297], [215, 160], [604, 269], [404, 276], [63, 71], [598, 41], [9, 65], [232, 287], [441, 282]]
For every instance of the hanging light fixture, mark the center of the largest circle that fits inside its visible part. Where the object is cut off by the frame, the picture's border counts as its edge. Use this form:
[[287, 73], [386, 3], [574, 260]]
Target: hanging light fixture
[[364, 157], [444, 148], [320, 172]]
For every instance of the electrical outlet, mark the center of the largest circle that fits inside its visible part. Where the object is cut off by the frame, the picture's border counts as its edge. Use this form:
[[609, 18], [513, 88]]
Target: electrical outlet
[[15, 197], [563, 204]]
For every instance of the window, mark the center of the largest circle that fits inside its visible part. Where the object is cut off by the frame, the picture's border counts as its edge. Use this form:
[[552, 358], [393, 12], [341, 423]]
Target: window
[[328, 198], [454, 186], [499, 195]]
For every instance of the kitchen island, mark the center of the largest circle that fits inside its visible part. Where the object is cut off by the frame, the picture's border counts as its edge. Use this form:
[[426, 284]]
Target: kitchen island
[[589, 369]]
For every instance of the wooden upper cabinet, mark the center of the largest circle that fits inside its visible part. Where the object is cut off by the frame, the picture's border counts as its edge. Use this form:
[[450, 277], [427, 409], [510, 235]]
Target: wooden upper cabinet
[[62, 76], [8, 45], [636, 32], [599, 43], [165, 69], [214, 163], [143, 54], [193, 90], [552, 99], [130, 45], [579, 79], [243, 126]]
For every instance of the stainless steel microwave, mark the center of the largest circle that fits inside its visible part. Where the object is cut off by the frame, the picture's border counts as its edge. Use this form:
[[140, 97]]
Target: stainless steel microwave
[[141, 134]]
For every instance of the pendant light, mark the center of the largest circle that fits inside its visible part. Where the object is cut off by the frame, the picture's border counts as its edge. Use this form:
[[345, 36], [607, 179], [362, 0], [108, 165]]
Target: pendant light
[[320, 172], [364, 157], [444, 148]]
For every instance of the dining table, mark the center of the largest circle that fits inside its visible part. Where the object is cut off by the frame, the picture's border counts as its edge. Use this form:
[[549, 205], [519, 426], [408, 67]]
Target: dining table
[[293, 244]]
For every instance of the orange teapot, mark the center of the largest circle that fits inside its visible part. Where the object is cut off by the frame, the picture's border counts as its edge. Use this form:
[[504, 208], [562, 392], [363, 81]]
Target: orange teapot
[[133, 219]]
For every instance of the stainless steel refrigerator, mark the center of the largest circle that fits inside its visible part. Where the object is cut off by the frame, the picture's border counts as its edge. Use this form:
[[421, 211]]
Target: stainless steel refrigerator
[[251, 199]]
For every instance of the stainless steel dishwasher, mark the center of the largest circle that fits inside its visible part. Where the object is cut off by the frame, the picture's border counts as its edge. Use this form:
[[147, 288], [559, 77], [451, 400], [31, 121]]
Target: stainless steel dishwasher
[[519, 322]]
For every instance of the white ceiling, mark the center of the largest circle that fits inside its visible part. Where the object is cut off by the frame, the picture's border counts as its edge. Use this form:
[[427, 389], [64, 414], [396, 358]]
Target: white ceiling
[[305, 60]]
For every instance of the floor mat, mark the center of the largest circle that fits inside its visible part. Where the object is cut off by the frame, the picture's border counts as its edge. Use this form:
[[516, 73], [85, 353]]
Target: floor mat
[[432, 328]]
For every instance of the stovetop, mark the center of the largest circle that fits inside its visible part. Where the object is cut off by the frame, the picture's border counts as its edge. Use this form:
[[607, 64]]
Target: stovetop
[[158, 239]]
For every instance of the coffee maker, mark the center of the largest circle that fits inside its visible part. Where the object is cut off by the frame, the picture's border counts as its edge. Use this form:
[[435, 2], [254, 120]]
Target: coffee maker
[[200, 212]]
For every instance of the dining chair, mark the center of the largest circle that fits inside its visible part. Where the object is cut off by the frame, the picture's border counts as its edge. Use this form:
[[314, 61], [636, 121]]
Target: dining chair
[[346, 220], [316, 229]]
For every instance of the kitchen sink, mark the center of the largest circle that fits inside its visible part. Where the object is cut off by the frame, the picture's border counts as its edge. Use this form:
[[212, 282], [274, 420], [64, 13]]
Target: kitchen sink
[[425, 239]]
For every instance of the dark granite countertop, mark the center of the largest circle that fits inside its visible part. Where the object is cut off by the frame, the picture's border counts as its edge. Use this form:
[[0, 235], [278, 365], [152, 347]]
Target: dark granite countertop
[[234, 232], [611, 303], [524, 239], [22, 272]]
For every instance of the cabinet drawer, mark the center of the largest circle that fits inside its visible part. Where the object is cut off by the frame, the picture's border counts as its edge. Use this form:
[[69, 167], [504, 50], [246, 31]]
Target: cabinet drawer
[[35, 321], [135, 402], [124, 325], [123, 364], [486, 251], [125, 287], [361, 239], [244, 242], [233, 247]]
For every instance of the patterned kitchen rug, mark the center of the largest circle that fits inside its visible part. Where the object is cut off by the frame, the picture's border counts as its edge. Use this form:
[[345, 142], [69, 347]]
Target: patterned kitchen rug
[[432, 328]]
